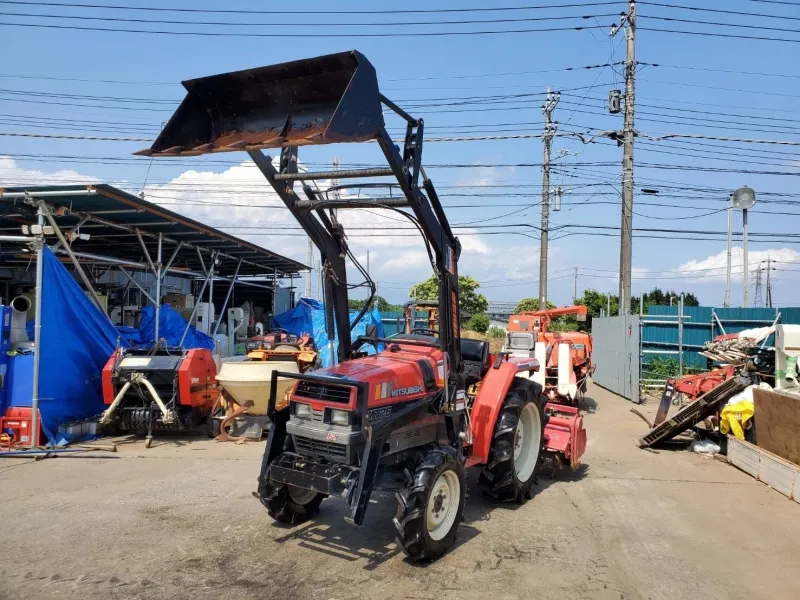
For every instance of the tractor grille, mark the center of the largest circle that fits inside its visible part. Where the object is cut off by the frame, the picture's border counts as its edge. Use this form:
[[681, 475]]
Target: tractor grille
[[329, 449], [317, 415], [322, 391]]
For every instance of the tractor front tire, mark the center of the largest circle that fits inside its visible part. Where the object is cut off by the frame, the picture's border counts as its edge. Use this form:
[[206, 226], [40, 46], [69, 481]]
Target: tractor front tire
[[430, 506], [292, 505], [517, 444]]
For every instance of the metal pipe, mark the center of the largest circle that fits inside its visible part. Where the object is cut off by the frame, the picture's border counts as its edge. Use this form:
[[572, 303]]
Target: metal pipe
[[167, 416], [26, 453], [716, 317], [727, 302], [74, 259], [680, 337], [349, 174], [194, 310], [211, 269], [227, 298], [47, 194], [37, 331], [74, 229], [347, 203], [133, 264], [274, 289], [158, 288], [17, 238], [105, 418], [146, 252], [172, 258], [202, 262], [744, 256], [136, 283]]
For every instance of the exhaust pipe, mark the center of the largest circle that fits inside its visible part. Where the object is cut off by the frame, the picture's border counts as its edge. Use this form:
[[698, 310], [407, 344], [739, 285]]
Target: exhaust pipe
[[323, 100], [19, 311]]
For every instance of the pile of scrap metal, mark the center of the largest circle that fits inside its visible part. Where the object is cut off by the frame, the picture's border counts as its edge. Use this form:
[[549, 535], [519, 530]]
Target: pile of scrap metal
[[735, 348], [728, 389]]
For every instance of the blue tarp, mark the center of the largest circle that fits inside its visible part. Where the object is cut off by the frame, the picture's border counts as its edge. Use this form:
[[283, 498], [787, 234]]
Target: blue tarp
[[170, 327], [76, 342], [309, 317]]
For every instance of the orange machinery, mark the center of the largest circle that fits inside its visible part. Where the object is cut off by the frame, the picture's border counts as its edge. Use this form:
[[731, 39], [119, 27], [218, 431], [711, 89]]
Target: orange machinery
[[566, 354], [410, 315]]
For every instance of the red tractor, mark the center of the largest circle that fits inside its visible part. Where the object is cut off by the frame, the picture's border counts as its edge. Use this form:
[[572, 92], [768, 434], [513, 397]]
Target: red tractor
[[411, 418]]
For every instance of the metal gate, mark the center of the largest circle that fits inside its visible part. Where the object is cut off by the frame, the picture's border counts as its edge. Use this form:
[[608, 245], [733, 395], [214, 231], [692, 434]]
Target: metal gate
[[615, 352]]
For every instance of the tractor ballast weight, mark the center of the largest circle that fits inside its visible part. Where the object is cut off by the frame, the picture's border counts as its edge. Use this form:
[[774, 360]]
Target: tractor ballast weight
[[408, 419], [324, 100]]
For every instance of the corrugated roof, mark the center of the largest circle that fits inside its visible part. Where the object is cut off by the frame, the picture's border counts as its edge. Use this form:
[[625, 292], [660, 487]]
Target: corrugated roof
[[114, 216]]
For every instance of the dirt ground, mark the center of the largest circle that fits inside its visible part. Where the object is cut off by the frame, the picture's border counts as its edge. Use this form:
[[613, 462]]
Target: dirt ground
[[179, 521]]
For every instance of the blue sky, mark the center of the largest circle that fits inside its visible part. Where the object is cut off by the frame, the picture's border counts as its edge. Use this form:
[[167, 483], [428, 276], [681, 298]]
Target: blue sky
[[689, 91]]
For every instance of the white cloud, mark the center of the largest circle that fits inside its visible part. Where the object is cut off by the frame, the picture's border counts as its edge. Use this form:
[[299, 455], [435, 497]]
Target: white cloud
[[240, 201], [12, 175], [713, 268]]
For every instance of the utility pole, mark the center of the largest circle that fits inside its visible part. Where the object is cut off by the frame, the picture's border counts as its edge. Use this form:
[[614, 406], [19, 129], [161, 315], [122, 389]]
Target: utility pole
[[626, 233], [575, 287], [549, 130]]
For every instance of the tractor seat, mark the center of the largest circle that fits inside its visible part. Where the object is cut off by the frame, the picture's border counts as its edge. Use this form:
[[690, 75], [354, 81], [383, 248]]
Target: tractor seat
[[475, 355]]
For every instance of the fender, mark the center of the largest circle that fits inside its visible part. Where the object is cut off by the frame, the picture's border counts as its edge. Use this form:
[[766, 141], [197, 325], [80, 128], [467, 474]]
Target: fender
[[486, 407]]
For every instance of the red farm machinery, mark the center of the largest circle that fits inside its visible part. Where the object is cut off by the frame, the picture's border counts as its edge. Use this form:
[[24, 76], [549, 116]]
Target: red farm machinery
[[411, 418]]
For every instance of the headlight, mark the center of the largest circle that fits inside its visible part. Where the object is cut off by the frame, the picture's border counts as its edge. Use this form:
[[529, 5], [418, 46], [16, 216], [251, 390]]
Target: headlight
[[302, 410], [340, 417]]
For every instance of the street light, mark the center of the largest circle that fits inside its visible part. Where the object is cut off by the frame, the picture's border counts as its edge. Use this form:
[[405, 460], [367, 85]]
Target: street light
[[742, 199]]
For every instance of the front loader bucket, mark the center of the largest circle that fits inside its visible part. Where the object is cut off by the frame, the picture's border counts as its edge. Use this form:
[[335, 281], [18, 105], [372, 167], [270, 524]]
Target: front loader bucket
[[323, 100]]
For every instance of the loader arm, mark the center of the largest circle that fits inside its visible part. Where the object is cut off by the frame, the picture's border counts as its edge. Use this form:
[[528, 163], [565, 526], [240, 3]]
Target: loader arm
[[323, 100]]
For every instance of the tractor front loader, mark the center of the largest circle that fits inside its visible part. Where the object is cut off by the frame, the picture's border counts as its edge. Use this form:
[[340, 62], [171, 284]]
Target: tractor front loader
[[411, 418]]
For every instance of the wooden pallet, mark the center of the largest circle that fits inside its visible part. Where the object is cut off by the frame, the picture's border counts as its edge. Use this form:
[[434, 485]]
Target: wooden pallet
[[694, 412]]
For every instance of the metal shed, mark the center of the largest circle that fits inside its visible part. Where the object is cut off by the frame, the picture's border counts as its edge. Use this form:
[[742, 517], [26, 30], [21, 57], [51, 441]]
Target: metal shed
[[96, 228]]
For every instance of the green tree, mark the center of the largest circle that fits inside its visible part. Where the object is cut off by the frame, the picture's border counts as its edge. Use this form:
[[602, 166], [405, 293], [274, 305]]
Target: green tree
[[659, 297], [479, 322], [496, 332], [596, 301], [383, 304], [530, 305], [470, 301]]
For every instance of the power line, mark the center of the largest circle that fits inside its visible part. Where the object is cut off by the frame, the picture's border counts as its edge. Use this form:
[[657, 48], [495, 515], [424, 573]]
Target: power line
[[718, 24], [306, 12], [305, 24], [720, 11], [301, 35], [722, 35], [709, 70]]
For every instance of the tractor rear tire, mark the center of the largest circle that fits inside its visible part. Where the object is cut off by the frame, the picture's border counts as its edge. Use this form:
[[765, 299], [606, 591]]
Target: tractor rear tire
[[430, 506], [517, 444], [293, 506]]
